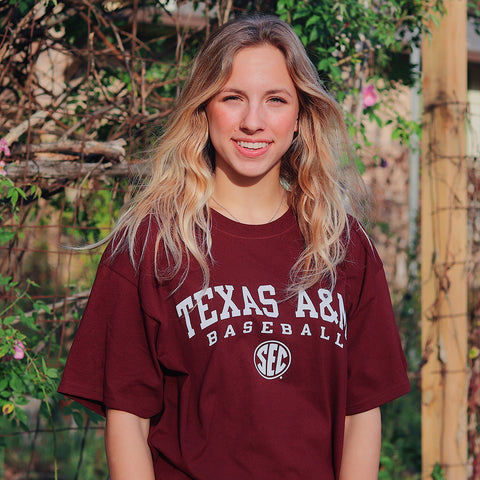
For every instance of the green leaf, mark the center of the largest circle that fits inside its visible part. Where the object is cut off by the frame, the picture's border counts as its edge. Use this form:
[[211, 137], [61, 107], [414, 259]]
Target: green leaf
[[13, 195], [24, 7], [66, 410], [44, 366], [5, 394], [39, 305], [16, 383], [21, 400], [313, 35], [312, 21], [374, 117], [3, 383], [21, 193], [22, 418], [437, 473], [8, 320], [6, 236], [360, 165], [436, 20], [95, 417], [44, 409], [78, 417], [52, 373]]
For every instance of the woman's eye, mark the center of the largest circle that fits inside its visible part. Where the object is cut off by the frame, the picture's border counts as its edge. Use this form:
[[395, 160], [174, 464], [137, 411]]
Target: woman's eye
[[230, 97], [277, 100]]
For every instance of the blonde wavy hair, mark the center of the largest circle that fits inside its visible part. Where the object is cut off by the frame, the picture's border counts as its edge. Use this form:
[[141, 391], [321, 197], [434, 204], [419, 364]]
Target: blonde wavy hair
[[318, 171]]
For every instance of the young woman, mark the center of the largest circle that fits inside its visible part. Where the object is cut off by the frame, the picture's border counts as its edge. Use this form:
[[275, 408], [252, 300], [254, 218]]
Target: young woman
[[240, 325]]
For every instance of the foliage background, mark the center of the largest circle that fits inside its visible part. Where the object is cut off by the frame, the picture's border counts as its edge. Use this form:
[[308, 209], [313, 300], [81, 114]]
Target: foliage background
[[85, 88]]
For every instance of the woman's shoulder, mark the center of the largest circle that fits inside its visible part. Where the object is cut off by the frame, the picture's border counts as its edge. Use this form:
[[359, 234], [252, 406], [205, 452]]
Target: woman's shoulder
[[361, 248], [132, 246]]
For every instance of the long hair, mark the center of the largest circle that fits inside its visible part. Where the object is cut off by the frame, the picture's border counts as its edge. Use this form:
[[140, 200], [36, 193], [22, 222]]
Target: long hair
[[317, 170]]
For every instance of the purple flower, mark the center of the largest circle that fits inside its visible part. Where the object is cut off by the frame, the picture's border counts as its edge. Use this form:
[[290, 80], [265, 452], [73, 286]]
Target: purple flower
[[369, 96], [19, 349], [4, 147]]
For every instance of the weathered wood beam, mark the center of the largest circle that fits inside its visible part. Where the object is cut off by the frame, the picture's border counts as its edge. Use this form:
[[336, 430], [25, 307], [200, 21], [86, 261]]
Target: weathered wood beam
[[444, 246], [114, 149], [69, 160], [55, 169]]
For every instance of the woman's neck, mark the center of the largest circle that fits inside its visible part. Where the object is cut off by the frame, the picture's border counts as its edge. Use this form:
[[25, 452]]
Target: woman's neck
[[255, 204]]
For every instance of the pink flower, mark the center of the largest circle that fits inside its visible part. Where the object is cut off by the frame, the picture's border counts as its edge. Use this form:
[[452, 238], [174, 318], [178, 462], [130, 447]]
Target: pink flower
[[369, 96], [3, 172], [19, 349], [4, 147]]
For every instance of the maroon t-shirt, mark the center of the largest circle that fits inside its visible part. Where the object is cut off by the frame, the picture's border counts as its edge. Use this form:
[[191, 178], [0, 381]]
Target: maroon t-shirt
[[239, 382]]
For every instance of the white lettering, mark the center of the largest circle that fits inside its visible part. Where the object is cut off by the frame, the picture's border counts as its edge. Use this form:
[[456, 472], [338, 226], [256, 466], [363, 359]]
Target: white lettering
[[212, 338], [230, 332], [304, 303], [281, 365], [273, 347], [286, 329], [183, 308], [326, 306], [337, 341], [228, 302], [322, 335], [249, 303], [267, 327], [306, 330], [247, 327], [260, 354], [268, 301], [205, 322], [272, 359], [343, 315]]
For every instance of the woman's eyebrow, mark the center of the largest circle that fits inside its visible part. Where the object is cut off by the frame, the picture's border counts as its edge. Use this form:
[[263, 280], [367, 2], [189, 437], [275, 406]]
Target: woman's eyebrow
[[273, 91], [279, 91]]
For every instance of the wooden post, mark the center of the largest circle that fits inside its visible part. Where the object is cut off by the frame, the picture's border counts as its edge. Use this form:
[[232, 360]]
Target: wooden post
[[444, 246]]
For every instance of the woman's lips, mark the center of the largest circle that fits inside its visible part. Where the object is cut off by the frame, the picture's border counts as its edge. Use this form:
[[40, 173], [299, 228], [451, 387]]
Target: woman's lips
[[252, 149]]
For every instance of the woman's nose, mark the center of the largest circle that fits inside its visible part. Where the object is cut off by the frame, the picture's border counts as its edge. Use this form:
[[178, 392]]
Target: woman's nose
[[252, 120]]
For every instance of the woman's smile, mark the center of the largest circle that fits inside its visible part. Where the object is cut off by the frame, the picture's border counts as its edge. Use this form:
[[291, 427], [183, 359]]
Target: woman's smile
[[252, 149]]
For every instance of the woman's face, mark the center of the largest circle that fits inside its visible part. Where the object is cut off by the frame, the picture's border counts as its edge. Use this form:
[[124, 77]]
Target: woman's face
[[253, 118]]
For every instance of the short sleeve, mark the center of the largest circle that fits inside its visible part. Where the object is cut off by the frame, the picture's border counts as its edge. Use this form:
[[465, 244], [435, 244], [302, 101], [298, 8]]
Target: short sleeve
[[377, 369], [112, 361]]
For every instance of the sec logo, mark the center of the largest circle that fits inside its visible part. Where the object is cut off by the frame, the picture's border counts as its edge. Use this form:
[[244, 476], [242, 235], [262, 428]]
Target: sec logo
[[272, 359]]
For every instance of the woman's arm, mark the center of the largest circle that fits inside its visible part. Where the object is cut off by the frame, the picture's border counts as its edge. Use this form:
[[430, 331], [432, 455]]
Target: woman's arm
[[361, 447], [128, 453]]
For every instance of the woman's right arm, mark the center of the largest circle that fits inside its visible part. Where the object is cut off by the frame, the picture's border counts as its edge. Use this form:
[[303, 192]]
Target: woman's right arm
[[128, 453]]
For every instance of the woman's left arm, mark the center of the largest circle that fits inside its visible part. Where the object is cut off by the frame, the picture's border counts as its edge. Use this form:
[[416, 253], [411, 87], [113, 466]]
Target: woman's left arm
[[361, 447]]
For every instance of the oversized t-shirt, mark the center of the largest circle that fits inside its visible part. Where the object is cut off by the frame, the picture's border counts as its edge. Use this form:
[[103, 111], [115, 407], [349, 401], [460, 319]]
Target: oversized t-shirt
[[238, 381]]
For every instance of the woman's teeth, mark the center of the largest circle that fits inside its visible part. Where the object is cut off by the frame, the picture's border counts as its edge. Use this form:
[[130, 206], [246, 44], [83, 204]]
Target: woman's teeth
[[253, 145]]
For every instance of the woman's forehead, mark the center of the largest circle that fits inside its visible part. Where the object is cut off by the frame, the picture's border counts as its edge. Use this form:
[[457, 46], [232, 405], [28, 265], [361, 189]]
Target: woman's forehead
[[263, 64]]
